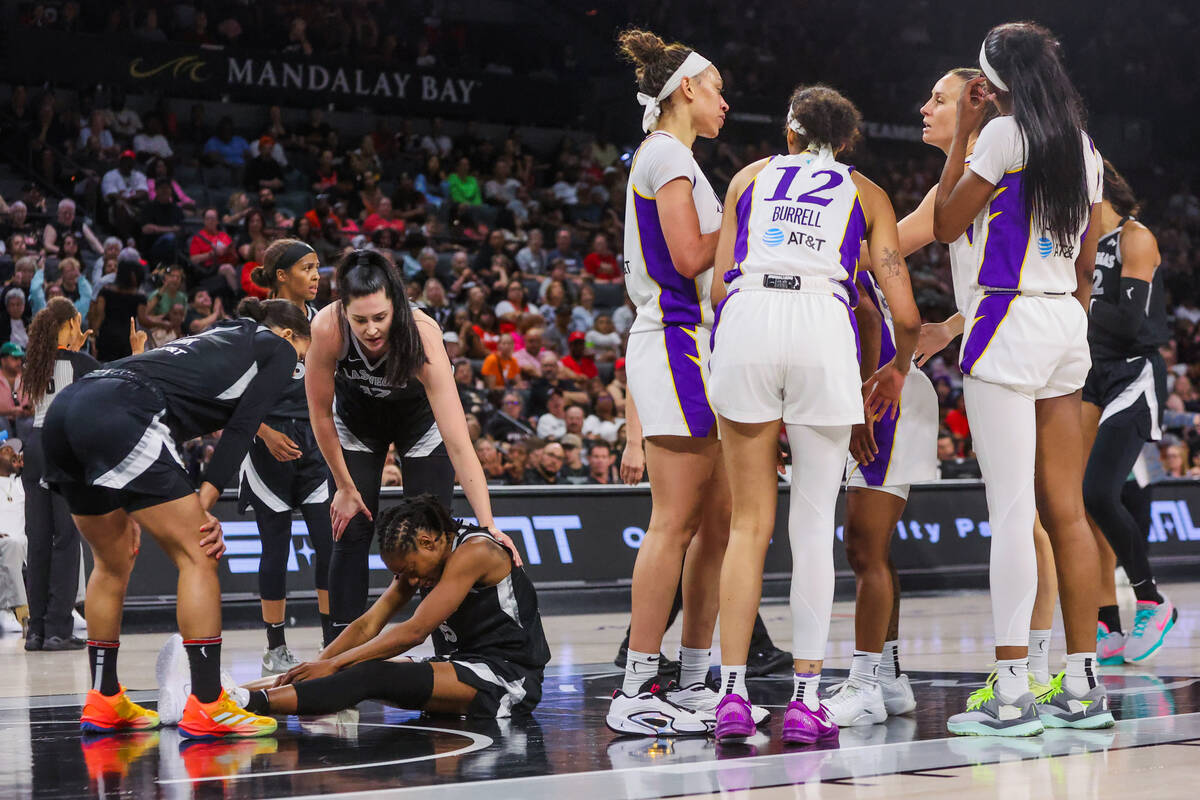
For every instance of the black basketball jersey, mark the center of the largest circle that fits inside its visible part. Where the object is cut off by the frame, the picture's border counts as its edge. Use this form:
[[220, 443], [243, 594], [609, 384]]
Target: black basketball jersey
[[293, 403], [69, 366], [1106, 288], [501, 621], [226, 378]]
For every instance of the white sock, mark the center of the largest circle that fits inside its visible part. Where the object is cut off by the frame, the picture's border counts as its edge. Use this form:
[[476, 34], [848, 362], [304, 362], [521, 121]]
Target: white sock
[[693, 665], [804, 689], [639, 668], [1039, 655], [864, 669], [1081, 673], [733, 680], [1012, 677], [889, 664]]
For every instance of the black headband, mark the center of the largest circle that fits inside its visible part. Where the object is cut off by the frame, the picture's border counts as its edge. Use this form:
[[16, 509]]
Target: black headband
[[291, 254]]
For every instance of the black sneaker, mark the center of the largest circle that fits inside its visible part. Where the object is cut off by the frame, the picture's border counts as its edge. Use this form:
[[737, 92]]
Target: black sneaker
[[34, 641], [61, 643]]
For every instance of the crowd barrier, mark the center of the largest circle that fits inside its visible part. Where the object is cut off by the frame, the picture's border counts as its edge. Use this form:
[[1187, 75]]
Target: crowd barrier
[[576, 538]]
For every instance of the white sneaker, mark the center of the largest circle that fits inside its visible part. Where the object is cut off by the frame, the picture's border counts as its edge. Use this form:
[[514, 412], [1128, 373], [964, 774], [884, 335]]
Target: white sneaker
[[649, 713], [897, 696], [9, 622], [174, 680], [851, 704], [77, 621], [240, 696], [699, 697]]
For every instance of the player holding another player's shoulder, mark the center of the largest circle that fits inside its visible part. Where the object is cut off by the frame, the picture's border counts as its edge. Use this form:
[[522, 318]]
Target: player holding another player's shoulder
[[128, 468], [477, 604]]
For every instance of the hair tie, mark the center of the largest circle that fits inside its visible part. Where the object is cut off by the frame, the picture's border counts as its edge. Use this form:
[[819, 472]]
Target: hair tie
[[692, 66]]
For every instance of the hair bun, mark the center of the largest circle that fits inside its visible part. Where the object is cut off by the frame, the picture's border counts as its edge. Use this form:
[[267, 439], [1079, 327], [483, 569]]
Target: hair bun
[[258, 276], [253, 308]]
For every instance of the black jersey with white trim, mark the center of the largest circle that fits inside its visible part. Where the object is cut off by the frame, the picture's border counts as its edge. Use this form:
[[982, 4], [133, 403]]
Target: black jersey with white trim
[[1154, 330], [500, 621], [226, 378], [69, 366], [357, 374], [293, 403]]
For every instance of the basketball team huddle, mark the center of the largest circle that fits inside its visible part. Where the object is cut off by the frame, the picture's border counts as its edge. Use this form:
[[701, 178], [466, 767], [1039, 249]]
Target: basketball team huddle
[[786, 307]]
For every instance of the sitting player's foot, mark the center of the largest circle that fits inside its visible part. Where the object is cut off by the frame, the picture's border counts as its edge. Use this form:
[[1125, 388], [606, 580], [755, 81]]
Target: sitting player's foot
[[852, 704], [111, 714], [734, 718], [277, 661], [1060, 708], [1150, 627], [650, 713], [989, 714], [701, 698], [897, 696], [1110, 646], [802, 725], [222, 718]]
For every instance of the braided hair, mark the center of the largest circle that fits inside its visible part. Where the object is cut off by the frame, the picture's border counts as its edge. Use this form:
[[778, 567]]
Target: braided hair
[[399, 525]]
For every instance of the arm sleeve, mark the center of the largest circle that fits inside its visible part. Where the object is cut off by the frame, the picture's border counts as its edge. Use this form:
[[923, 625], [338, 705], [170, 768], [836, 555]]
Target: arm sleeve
[[1124, 317], [276, 360], [997, 151], [662, 159]]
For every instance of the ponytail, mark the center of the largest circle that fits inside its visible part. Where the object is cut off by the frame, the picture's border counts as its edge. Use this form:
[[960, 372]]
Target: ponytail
[[276, 314], [42, 349], [362, 273]]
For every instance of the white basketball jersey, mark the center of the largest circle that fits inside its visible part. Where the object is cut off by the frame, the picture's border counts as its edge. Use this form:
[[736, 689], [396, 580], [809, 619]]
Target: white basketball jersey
[[964, 268], [663, 296], [801, 215]]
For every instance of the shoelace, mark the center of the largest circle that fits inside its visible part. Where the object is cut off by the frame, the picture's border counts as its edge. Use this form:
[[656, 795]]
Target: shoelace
[[1142, 619], [984, 694], [1056, 688]]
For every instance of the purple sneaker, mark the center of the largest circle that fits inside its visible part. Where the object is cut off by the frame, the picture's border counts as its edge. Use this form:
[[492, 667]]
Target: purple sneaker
[[734, 720], [802, 726]]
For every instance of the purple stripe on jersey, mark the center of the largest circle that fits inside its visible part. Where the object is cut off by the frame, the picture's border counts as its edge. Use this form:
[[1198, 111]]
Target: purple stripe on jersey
[[856, 229], [887, 348], [678, 299], [992, 310], [1007, 236], [884, 429], [712, 337], [683, 356], [744, 204]]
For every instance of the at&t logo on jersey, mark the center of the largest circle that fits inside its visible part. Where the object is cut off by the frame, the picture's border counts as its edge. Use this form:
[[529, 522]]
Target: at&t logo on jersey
[[1045, 247], [773, 237]]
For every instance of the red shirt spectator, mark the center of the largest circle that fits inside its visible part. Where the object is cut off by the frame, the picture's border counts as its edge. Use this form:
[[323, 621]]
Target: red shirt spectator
[[211, 246], [383, 218], [601, 263], [576, 360], [956, 421]]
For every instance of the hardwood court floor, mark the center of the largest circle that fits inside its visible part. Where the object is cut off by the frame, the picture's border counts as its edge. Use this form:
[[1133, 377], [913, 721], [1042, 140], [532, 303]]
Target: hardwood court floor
[[565, 753]]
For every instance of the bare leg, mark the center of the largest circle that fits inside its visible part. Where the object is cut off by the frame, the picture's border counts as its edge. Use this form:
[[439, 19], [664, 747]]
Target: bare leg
[[702, 564], [871, 516], [111, 538], [1047, 586]]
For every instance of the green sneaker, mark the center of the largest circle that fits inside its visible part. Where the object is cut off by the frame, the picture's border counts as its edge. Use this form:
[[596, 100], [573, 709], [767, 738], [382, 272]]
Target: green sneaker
[[1059, 708], [989, 715], [1037, 688]]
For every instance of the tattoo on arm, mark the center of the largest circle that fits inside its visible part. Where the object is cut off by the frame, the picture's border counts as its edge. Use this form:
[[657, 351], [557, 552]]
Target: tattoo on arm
[[889, 267]]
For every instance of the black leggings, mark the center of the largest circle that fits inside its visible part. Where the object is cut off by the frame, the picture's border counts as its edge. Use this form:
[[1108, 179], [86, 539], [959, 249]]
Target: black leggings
[[275, 531], [405, 684], [1118, 443], [348, 571], [54, 553]]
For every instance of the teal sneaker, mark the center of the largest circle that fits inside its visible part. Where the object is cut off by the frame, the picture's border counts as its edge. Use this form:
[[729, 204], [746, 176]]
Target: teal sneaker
[[1110, 646], [1150, 626]]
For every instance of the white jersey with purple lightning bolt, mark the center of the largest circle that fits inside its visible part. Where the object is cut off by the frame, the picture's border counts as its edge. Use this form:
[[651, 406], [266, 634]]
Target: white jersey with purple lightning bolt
[[663, 296]]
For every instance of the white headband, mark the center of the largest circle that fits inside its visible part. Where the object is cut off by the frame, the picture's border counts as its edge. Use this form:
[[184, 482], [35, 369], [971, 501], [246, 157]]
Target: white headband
[[794, 125], [692, 66], [988, 72]]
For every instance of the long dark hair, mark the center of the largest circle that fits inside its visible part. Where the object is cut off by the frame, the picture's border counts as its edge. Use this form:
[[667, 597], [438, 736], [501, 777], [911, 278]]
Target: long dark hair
[[43, 346], [1049, 112], [361, 273], [276, 314], [1117, 192]]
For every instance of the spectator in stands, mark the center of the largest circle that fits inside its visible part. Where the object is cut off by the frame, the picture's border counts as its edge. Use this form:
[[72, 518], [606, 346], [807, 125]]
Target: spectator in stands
[[564, 249], [152, 142], [583, 315], [574, 469], [253, 240], [65, 222], [603, 340], [124, 190], [112, 248], [601, 263], [169, 295], [18, 223], [226, 148], [623, 317], [515, 462], [533, 258], [473, 398], [602, 464], [430, 266], [577, 361], [203, 312], [574, 416], [553, 424], [552, 380], [435, 303], [500, 369], [15, 320], [528, 356], [115, 308], [508, 423], [491, 461], [212, 255], [160, 170], [325, 179], [97, 129], [514, 302], [1174, 457], [262, 170], [437, 143], [384, 216], [70, 282], [15, 408], [604, 424], [617, 388], [547, 471], [953, 464], [14, 603], [149, 29], [161, 225], [463, 185]]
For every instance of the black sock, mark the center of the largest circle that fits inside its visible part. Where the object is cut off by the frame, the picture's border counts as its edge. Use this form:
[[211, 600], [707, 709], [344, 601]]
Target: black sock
[[102, 656], [1111, 617], [258, 703], [275, 634], [204, 657], [327, 632], [1147, 591]]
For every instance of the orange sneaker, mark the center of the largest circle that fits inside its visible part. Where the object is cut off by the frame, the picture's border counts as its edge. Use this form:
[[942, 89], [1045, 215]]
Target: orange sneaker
[[110, 756], [103, 714], [220, 718]]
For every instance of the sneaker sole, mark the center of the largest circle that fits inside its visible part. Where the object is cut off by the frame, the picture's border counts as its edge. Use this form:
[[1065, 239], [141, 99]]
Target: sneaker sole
[[731, 731], [804, 738], [1158, 644], [95, 728], [624, 725], [1031, 728], [908, 707], [1093, 722], [1111, 661], [862, 720], [210, 737]]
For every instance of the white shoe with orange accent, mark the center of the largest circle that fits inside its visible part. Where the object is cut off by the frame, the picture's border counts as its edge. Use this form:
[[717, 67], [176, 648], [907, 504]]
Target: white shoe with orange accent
[[222, 718]]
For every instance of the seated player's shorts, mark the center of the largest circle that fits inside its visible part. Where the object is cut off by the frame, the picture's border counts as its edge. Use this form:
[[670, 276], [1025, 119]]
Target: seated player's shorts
[[503, 688], [907, 444], [667, 371]]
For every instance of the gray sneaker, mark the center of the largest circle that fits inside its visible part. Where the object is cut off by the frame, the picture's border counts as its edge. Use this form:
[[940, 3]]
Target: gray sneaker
[[1059, 708], [278, 661], [988, 715]]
